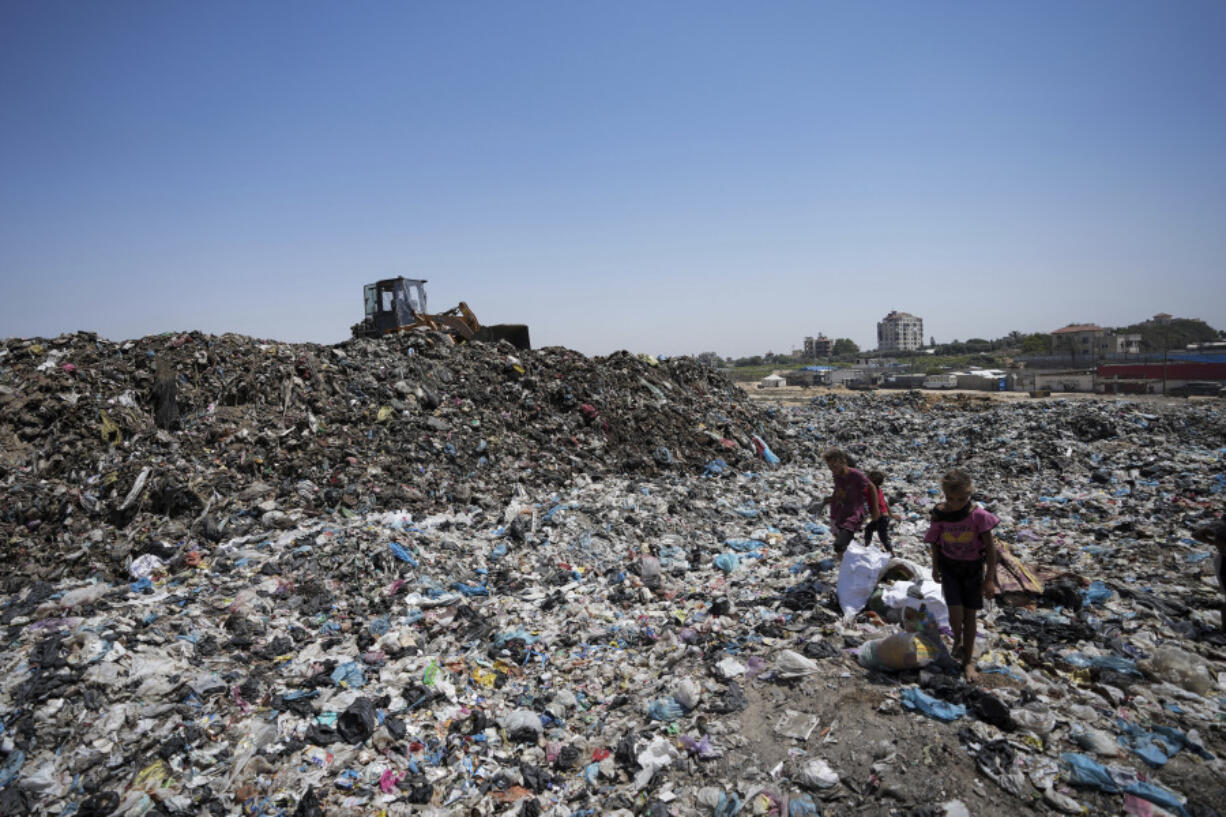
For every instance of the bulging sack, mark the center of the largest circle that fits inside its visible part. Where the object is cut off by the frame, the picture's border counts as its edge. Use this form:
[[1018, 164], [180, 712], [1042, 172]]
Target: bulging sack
[[898, 652]]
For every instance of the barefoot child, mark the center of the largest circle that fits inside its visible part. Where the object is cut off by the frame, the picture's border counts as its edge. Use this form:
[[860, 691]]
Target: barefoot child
[[854, 497], [962, 546], [882, 524]]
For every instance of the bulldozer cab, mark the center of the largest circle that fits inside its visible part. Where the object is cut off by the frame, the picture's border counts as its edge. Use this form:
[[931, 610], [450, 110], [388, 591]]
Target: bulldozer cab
[[394, 302], [399, 305]]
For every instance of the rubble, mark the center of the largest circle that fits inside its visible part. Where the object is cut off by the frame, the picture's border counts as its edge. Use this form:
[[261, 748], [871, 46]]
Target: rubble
[[411, 577]]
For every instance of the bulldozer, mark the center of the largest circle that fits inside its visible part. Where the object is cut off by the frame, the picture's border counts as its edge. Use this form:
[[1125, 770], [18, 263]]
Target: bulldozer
[[399, 305]]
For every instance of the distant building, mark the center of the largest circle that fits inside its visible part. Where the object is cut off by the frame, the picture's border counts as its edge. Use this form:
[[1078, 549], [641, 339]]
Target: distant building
[[1158, 378], [1162, 318], [844, 377], [1089, 341], [819, 347], [900, 332]]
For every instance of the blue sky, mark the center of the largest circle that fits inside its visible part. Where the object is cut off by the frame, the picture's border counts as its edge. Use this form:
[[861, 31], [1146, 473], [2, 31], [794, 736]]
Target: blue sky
[[665, 177]]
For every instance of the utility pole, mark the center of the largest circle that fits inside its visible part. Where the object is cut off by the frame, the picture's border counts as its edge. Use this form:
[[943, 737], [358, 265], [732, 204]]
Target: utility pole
[[1165, 344]]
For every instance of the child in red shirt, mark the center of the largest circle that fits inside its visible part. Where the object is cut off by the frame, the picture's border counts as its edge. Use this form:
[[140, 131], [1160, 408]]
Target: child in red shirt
[[881, 525]]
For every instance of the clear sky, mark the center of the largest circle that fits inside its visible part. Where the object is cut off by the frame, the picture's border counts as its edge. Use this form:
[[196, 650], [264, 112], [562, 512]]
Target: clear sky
[[669, 177]]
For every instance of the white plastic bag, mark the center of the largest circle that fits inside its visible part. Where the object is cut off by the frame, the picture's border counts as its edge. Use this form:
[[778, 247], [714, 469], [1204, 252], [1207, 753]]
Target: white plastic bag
[[817, 774], [688, 693], [914, 595], [858, 576], [523, 719], [1188, 670], [729, 667], [791, 664], [145, 565], [659, 754]]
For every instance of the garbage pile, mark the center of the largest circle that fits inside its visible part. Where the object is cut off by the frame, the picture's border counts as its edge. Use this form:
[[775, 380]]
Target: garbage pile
[[100, 453], [581, 625]]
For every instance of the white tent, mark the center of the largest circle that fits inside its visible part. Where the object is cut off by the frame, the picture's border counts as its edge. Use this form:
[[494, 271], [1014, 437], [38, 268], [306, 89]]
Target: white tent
[[773, 381]]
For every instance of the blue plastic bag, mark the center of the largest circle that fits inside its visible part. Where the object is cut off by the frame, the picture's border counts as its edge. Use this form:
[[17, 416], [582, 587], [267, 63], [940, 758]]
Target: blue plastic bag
[[1158, 795], [470, 589], [728, 806], [665, 709], [1096, 594], [12, 767], [765, 452], [402, 554], [1086, 771], [1124, 666], [349, 673], [727, 562], [802, 805], [917, 700]]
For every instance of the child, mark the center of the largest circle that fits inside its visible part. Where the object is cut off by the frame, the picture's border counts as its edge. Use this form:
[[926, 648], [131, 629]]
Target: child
[[882, 524], [853, 495], [1215, 534], [962, 544]]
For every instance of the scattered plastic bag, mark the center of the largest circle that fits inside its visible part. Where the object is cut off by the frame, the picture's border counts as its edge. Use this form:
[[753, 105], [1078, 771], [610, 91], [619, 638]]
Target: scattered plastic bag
[[791, 664], [915, 699], [1189, 671], [858, 576], [816, 774]]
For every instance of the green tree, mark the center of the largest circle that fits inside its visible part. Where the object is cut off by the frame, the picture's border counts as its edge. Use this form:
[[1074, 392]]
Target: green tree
[[1036, 343], [845, 346], [1176, 334]]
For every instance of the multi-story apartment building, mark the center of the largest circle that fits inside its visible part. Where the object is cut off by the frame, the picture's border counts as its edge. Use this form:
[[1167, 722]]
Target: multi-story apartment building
[[900, 332], [818, 347]]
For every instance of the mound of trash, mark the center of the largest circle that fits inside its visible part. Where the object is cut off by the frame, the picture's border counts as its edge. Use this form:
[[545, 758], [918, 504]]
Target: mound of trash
[[625, 609], [106, 445]]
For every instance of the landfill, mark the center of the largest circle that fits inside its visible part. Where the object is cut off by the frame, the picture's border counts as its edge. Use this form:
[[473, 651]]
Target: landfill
[[409, 576]]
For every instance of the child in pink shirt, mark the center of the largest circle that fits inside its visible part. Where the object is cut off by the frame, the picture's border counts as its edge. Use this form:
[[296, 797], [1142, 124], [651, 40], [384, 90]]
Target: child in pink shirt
[[962, 547]]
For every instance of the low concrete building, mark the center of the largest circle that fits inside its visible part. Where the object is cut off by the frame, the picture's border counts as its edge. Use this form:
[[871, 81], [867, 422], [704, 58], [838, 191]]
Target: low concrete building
[[904, 381], [984, 380], [817, 375], [844, 377], [1073, 380], [941, 381]]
